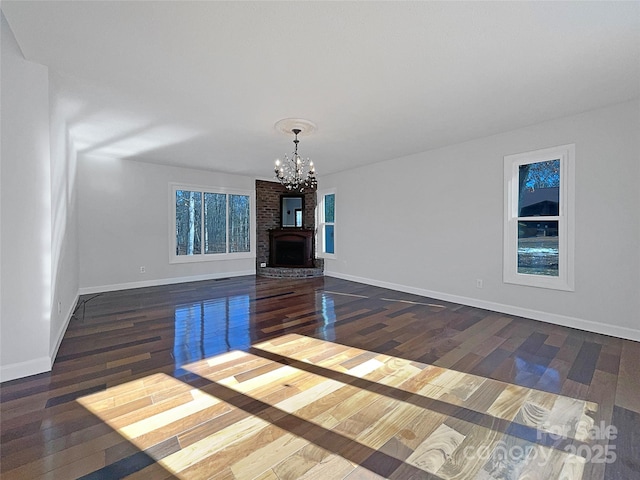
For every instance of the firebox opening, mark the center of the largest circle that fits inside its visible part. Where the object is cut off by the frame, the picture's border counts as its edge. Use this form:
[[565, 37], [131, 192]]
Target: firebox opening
[[290, 253]]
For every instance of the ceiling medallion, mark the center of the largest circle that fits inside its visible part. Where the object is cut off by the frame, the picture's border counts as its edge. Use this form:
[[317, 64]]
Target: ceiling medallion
[[296, 173]]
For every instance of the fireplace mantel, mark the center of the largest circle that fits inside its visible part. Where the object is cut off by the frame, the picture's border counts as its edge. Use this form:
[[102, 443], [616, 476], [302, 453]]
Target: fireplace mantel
[[291, 247]]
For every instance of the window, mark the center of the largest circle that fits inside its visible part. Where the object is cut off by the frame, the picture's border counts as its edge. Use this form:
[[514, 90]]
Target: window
[[539, 223], [327, 224], [210, 224]]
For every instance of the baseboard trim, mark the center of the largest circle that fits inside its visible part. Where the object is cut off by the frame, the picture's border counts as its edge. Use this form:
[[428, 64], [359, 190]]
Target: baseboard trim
[[161, 281], [42, 364], [53, 351], [25, 369], [556, 319]]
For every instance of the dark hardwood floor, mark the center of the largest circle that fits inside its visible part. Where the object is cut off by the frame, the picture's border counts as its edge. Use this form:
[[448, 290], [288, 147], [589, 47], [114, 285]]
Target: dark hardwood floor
[[324, 379]]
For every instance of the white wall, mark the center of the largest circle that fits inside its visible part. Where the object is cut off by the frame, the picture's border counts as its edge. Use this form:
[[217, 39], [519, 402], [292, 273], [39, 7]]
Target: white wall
[[39, 250], [124, 224], [451, 235], [26, 214], [64, 225]]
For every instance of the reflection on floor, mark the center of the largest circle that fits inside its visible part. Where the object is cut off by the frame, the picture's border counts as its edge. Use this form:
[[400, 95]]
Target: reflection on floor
[[203, 329], [297, 407]]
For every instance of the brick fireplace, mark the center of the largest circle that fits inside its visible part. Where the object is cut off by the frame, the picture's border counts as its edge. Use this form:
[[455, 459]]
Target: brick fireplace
[[268, 220]]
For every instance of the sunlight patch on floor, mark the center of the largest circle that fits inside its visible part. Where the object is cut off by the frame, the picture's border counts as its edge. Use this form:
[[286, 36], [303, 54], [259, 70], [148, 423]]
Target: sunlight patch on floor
[[298, 407]]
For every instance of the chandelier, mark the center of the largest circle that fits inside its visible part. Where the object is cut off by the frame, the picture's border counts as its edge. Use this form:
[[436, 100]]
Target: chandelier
[[296, 173]]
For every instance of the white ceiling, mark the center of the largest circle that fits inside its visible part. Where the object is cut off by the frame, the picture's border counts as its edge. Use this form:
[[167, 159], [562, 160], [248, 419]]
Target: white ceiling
[[201, 84]]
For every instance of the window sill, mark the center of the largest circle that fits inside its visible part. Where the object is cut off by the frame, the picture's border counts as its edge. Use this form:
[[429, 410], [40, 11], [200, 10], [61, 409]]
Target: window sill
[[538, 281]]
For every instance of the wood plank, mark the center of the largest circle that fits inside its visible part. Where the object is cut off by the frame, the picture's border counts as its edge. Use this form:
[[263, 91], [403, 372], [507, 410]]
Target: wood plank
[[432, 454], [628, 388]]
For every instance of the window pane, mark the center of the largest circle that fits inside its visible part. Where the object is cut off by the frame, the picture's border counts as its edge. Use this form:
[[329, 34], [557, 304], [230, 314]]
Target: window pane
[[188, 226], [215, 223], [328, 239], [539, 189], [329, 208], [538, 248], [239, 216]]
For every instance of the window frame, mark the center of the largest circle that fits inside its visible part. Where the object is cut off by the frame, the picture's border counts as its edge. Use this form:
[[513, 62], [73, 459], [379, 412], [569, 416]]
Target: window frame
[[208, 257], [320, 236], [565, 218]]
